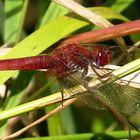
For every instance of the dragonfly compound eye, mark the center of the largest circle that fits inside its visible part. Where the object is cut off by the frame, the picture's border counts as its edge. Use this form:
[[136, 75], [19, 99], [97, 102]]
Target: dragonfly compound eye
[[103, 56]]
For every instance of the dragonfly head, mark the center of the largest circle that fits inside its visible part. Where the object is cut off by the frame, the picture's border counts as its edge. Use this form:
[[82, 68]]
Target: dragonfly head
[[102, 55]]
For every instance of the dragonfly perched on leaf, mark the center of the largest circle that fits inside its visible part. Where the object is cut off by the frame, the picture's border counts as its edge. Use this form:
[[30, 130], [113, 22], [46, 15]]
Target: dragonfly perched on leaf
[[67, 62]]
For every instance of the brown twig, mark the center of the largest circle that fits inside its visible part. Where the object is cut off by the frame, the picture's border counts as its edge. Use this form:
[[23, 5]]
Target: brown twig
[[56, 110]]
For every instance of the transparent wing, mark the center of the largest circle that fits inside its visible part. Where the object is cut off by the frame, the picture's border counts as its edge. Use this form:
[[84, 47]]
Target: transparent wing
[[117, 97]]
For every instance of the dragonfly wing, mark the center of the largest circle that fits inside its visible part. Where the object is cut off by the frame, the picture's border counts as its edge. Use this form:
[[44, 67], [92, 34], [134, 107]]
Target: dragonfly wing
[[116, 96], [121, 98]]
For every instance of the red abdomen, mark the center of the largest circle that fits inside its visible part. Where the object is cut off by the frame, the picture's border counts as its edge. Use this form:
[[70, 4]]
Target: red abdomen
[[27, 63]]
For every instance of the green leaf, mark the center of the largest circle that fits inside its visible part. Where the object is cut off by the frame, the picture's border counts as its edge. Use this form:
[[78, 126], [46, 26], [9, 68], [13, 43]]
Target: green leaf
[[109, 13], [54, 123], [13, 13], [52, 14], [18, 89], [68, 120], [118, 5], [2, 16]]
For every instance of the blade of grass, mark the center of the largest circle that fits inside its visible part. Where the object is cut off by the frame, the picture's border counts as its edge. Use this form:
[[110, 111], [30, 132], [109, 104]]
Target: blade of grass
[[19, 89], [69, 120], [13, 13], [2, 17], [33, 105], [108, 13], [122, 4], [22, 20], [52, 14]]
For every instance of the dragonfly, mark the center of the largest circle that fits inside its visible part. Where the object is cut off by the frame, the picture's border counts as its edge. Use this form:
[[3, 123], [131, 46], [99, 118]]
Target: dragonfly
[[122, 101]]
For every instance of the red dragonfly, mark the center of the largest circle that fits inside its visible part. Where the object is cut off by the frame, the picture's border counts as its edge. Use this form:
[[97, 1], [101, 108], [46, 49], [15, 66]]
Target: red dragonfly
[[62, 59], [72, 58]]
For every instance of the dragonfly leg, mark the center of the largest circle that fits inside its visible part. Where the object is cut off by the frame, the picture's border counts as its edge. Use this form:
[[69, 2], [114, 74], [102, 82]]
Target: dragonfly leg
[[62, 94], [61, 89], [83, 77], [99, 75]]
